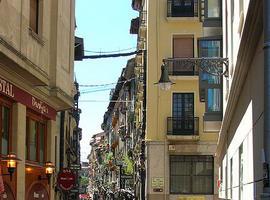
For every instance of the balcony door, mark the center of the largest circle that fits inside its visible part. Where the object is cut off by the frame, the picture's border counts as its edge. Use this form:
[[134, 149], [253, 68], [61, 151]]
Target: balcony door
[[183, 113], [182, 8]]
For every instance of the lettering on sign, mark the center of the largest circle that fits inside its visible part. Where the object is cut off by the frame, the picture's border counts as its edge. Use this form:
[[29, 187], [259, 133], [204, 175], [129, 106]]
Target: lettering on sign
[[6, 88], [40, 105], [36, 195]]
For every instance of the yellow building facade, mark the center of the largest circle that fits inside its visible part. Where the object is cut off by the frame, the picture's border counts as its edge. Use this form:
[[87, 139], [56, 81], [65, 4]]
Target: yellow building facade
[[180, 134]]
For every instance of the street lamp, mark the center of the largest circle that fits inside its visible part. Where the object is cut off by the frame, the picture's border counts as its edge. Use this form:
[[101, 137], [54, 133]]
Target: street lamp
[[164, 82], [49, 169], [11, 160]]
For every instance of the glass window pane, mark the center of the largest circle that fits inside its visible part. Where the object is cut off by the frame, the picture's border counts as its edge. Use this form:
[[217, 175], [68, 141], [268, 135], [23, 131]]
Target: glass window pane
[[214, 100], [202, 184], [213, 9], [32, 140], [210, 48], [181, 168], [41, 142], [5, 129], [180, 184]]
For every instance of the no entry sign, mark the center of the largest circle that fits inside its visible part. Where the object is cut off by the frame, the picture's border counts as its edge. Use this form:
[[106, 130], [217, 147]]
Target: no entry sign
[[66, 179]]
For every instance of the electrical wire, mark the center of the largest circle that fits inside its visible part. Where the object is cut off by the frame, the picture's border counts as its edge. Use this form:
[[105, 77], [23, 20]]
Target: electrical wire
[[92, 91], [120, 50], [100, 101], [112, 55], [105, 84]]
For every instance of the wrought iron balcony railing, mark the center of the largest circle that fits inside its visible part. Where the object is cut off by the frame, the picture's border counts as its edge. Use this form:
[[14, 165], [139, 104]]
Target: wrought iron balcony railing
[[181, 67], [182, 126], [177, 8]]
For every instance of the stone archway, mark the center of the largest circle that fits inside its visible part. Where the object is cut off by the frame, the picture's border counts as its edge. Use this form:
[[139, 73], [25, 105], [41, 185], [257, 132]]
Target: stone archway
[[38, 191]]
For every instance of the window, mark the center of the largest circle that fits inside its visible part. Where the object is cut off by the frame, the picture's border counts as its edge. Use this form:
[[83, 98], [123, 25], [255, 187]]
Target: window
[[213, 9], [5, 126], [182, 122], [241, 171], [231, 178], [191, 174], [35, 139], [34, 15], [182, 8]]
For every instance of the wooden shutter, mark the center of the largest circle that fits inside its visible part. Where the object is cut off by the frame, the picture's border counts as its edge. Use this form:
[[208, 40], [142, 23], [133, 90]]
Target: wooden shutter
[[34, 15], [183, 47]]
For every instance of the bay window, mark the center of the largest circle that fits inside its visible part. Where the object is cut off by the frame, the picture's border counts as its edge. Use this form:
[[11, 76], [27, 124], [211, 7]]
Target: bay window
[[210, 85]]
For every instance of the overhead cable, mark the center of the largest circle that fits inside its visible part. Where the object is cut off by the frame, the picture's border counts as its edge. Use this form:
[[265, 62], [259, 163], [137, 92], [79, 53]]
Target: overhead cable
[[120, 50], [112, 55]]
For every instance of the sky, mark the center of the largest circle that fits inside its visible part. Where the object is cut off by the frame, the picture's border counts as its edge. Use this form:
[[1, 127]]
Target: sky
[[104, 25]]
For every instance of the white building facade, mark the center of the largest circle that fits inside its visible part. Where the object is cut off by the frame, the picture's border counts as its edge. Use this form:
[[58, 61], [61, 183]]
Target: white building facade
[[240, 148]]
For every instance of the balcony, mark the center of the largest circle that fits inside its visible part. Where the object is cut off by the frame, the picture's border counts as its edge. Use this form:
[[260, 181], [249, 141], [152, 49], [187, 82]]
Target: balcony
[[183, 8], [181, 67], [134, 26], [183, 128]]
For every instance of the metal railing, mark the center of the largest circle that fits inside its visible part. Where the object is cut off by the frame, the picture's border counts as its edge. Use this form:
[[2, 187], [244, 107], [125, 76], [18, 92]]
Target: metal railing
[[181, 67], [182, 126], [175, 10]]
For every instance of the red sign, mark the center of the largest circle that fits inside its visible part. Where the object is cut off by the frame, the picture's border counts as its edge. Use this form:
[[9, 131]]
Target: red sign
[[66, 179], [38, 191], [19, 95]]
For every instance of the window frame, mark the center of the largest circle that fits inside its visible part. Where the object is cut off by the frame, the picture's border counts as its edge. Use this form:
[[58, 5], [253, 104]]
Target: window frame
[[4, 102], [40, 121], [192, 175], [211, 21], [171, 5]]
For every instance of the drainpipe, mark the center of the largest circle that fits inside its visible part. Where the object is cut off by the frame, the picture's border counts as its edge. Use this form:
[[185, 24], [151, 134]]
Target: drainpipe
[[142, 157], [62, 137], [266, 17]]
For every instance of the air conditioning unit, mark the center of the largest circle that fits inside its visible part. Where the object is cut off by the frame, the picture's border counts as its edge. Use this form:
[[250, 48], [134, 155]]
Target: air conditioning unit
[[171, 147]]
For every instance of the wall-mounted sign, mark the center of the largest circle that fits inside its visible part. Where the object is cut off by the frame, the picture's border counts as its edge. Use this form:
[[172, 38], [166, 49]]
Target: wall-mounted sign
[[19, 95], [66, 179], [158, 184]]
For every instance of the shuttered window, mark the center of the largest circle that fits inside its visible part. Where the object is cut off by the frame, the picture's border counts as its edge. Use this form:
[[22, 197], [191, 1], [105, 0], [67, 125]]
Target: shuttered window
[[183, 47], [34, 15]]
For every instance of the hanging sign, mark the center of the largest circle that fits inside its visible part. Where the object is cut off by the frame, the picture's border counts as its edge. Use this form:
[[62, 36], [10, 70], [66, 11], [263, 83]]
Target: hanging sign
[[66, 179]]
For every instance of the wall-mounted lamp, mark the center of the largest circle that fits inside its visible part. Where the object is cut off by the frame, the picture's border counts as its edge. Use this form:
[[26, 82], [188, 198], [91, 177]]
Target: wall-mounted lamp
[[49, 169], [164, 82], [210, 65], [11, 160]]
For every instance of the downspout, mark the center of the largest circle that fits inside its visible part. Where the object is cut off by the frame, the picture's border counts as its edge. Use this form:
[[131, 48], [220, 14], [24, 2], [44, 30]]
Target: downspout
[[266, 25], [62, 137], [143, 172]]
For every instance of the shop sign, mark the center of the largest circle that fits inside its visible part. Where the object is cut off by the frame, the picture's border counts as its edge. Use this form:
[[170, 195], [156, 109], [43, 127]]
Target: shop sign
[[66, 179], [75, 166], [19, 95], [125, 176]]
